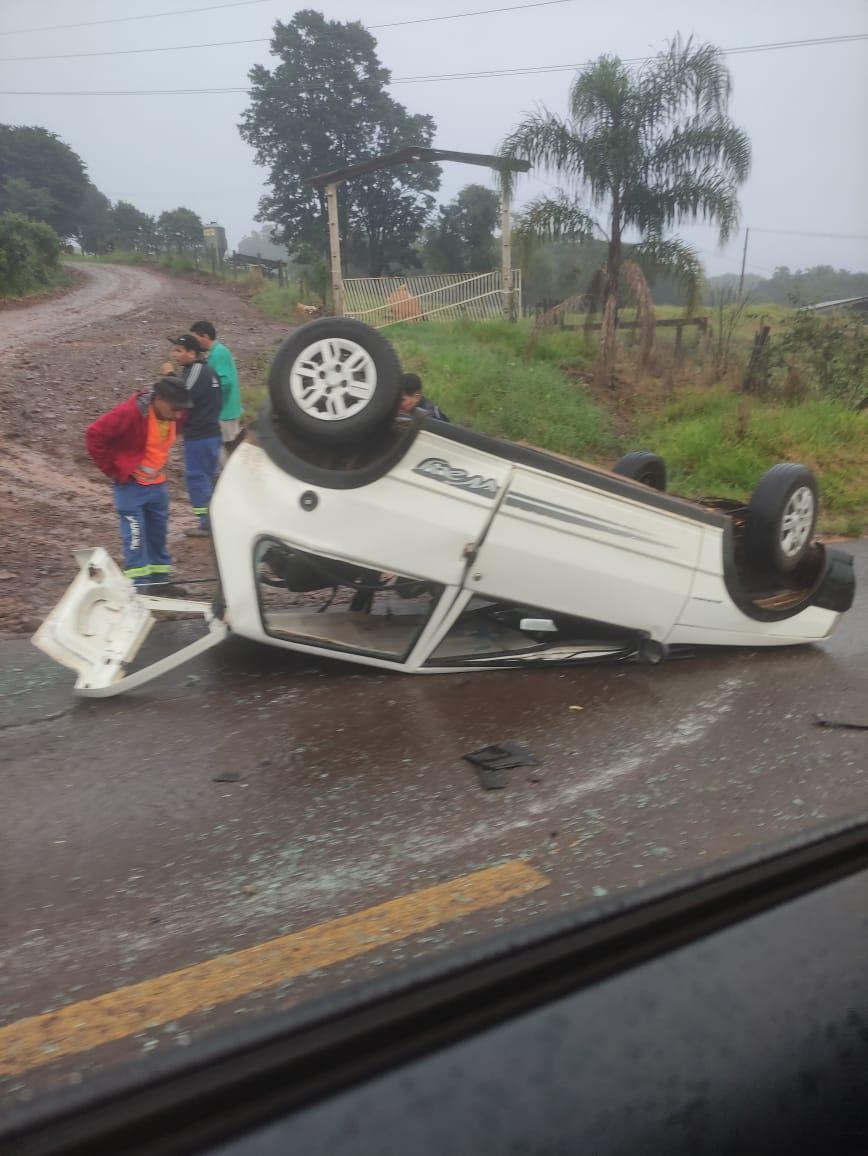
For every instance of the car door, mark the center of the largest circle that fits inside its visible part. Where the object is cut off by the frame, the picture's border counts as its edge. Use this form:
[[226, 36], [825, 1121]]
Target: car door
[[593, 551]]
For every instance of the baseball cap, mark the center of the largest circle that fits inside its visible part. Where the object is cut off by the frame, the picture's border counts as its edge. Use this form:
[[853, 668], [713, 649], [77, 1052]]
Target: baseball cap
[[187, 341], [173, 390]]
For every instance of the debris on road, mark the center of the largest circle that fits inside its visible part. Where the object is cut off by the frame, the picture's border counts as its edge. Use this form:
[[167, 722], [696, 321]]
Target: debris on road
[[503, 756], [840, 724], [227, 777], [492, 763]]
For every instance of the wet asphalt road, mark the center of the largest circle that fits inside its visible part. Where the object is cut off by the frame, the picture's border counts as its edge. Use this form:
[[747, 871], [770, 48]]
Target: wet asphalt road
[[123, 858]]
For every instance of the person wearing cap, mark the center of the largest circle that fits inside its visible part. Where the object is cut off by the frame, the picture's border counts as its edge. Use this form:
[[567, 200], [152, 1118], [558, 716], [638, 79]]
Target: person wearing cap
[[220, 358], [201, 432], [131, 444]]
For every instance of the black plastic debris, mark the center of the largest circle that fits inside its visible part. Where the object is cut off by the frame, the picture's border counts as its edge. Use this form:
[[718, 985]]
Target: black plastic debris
[[227, 777], [492, 763], [502, 756], [491, 778], [840, 724]]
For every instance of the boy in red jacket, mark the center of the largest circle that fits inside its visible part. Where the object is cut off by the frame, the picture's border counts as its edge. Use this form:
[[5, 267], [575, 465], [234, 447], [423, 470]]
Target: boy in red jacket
[[131, 444]]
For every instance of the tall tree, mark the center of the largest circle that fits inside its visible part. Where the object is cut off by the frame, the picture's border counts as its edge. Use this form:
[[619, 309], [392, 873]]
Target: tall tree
[[42, 160], [22, 197], [260, 243], [130, 227], [325, 106], [462, 239], [181, 229], [647, 149]]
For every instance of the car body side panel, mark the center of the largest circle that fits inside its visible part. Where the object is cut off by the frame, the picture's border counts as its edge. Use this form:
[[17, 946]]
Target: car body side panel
[[420, 524], [710, 617], [558, 544]]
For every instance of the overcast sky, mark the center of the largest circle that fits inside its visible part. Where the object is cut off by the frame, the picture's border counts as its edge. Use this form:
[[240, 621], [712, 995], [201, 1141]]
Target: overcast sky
[[805, 108]]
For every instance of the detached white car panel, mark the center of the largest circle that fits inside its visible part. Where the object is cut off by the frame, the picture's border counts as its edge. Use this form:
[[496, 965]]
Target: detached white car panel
[[454, 552]]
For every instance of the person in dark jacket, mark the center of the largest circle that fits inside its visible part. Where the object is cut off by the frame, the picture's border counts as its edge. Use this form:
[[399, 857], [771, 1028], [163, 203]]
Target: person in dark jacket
[[131, 444], [202, 436], [413, 398]]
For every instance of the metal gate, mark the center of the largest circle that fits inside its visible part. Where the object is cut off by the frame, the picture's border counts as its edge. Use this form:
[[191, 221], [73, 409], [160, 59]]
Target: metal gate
[[382, 301]]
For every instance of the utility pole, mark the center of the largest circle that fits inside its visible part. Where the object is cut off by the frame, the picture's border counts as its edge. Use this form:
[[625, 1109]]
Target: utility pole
[[331, 192], [506, 275], [743, 260]]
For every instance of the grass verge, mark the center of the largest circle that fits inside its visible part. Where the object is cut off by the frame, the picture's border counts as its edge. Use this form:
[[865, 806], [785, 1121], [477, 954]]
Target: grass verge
[[481, 377], [717, 442]]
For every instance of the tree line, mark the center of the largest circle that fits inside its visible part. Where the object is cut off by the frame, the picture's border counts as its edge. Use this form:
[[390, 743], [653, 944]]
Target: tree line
[[43, 179]]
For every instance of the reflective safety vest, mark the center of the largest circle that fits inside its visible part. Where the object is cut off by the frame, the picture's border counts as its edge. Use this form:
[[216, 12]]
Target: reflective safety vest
[[159, 440]]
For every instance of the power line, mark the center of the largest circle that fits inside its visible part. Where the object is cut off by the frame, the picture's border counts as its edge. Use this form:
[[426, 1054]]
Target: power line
[[638, 60], [805, 233], [227, 43], [461, 15], [124, 19], [263, 39], [531, 70]]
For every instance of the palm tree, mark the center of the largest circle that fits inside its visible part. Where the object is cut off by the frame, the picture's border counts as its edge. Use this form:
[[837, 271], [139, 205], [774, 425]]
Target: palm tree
[[649, 148]]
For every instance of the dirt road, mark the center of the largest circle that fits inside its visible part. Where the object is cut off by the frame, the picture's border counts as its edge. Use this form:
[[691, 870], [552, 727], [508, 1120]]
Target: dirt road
[[66, 361], [107, 291]]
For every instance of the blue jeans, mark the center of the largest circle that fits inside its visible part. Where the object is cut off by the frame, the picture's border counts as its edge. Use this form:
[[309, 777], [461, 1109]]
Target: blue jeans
[[201, 466], [144, 518]]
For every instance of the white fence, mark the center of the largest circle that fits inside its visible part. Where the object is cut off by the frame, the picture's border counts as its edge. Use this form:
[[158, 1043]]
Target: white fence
[[382, 301]]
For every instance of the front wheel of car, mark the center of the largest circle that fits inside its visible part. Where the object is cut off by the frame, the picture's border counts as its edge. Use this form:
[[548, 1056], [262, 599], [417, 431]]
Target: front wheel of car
[[781, 517], [335, 382], [644, 467]]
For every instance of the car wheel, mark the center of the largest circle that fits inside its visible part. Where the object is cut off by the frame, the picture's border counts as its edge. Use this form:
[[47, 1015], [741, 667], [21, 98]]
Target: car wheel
[[781, 518], [644, 467], [335, 381]]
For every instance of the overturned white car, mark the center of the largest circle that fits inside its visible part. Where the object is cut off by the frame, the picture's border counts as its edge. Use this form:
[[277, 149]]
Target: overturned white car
[[428, 548]]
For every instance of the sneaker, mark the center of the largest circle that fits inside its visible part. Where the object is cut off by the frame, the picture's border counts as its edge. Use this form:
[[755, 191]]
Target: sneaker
[[198, 532]]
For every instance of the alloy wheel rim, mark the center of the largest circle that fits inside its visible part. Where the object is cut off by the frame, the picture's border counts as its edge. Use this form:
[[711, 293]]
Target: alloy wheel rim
[[797, 521], [333, 379]]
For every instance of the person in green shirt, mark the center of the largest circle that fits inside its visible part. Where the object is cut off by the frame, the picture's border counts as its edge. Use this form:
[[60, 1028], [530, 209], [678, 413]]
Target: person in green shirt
[[223, 363]]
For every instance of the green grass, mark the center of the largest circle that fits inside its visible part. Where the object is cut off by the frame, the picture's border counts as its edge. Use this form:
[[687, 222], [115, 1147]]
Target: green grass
[[717, 442], [277, 302], [482, 377]]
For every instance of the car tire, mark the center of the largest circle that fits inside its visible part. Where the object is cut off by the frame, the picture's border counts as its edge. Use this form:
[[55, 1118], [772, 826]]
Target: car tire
[[644, 467], [781, 516], [335, 382]]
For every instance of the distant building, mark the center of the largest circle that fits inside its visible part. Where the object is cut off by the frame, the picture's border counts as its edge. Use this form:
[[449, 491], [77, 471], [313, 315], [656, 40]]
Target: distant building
[[215, 239]]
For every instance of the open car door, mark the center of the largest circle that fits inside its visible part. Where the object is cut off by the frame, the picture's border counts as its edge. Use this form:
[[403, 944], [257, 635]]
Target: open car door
[[100, 623]]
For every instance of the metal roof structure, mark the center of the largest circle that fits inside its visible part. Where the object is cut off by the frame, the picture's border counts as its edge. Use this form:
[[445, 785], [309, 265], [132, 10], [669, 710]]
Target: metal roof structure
[[842, 303], [413, 154]]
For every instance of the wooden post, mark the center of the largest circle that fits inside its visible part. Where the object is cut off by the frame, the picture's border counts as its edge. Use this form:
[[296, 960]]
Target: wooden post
[[506, 253], [331, 192], [679, 330], [743, 261]]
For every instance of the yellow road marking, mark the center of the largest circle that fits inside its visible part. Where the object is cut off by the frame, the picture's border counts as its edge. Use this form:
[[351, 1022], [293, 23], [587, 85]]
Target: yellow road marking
[[79, 1027]]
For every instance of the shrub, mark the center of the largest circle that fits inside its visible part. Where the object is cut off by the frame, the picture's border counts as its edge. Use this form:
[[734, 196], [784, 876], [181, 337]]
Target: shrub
[[828, 354], [29, 255]]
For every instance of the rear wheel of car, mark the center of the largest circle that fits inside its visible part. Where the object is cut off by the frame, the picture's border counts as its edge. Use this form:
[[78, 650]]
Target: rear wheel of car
[[781, 517], [335, 382], [644, 467]]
